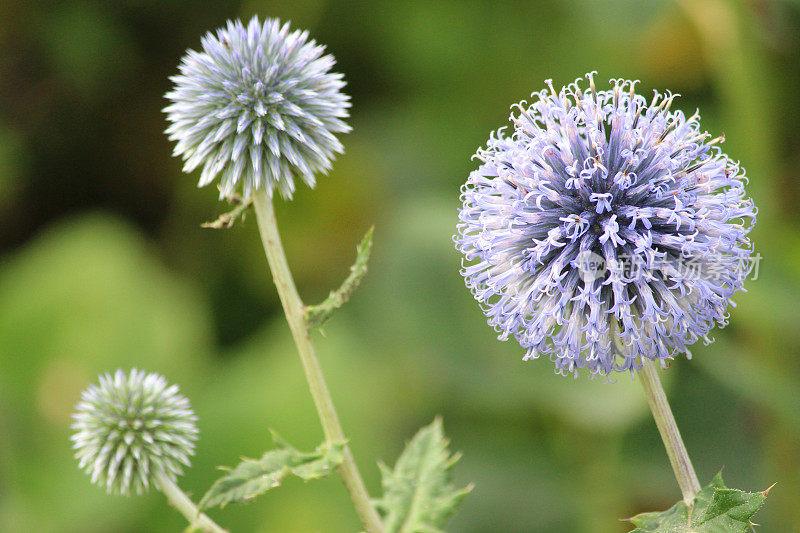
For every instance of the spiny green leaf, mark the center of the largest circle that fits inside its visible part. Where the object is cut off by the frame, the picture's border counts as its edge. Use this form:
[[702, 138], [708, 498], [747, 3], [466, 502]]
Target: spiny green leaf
[[252, 477], [317, 314], [418, 494], [716, 509]]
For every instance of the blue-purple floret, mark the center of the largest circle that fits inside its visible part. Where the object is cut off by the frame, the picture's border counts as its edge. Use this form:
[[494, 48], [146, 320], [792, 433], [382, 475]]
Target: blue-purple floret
[[258, 107], [587, 172]]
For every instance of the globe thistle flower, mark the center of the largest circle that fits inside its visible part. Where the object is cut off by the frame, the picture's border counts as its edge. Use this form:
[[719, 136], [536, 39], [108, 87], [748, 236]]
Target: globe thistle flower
[[129, 428], [258, 107], [602, 229]]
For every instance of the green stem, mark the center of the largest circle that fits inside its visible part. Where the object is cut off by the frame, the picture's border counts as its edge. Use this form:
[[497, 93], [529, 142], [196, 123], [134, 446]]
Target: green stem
[[678, 457], [295, 315], [179, 500]]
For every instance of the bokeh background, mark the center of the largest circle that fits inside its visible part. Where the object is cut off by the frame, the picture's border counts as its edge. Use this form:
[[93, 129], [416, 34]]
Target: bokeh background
[[104, 263]]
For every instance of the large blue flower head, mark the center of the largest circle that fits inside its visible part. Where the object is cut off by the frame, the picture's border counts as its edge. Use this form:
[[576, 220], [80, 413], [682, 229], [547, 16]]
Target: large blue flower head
[[604, 229], [258, 107]]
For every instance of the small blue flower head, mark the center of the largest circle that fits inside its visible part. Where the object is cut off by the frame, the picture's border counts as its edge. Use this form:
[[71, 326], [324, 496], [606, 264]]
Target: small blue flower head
[[604, 229], [129, 428], [258, 107]]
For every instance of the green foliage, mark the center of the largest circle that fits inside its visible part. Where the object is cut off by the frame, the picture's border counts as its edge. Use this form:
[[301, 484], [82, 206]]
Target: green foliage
[[418, 494], [317, 314], [253, 477], [717, 509]]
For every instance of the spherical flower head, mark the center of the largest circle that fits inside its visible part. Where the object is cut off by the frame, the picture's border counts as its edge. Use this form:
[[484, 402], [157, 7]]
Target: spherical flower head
[[604, 229], [129, 428], [258, 107]]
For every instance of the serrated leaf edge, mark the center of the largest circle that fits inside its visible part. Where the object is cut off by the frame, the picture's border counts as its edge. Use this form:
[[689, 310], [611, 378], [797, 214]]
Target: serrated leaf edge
[[280, 474]]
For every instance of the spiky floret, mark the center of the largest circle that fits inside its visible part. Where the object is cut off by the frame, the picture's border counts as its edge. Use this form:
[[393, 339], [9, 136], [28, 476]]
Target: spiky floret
[[130, 427], [608, 177], [258, 107]]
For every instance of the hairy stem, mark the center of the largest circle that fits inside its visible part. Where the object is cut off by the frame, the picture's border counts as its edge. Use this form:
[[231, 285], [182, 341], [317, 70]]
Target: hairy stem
[[676, 450], [295, 315], [179, 500]]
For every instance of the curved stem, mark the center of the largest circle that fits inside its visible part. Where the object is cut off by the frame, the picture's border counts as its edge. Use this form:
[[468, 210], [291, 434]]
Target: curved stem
[[185, 506], [676, 450], [295, 315]]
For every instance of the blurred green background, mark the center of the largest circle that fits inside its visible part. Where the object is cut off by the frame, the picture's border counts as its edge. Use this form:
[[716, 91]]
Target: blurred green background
[[104, 263]]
